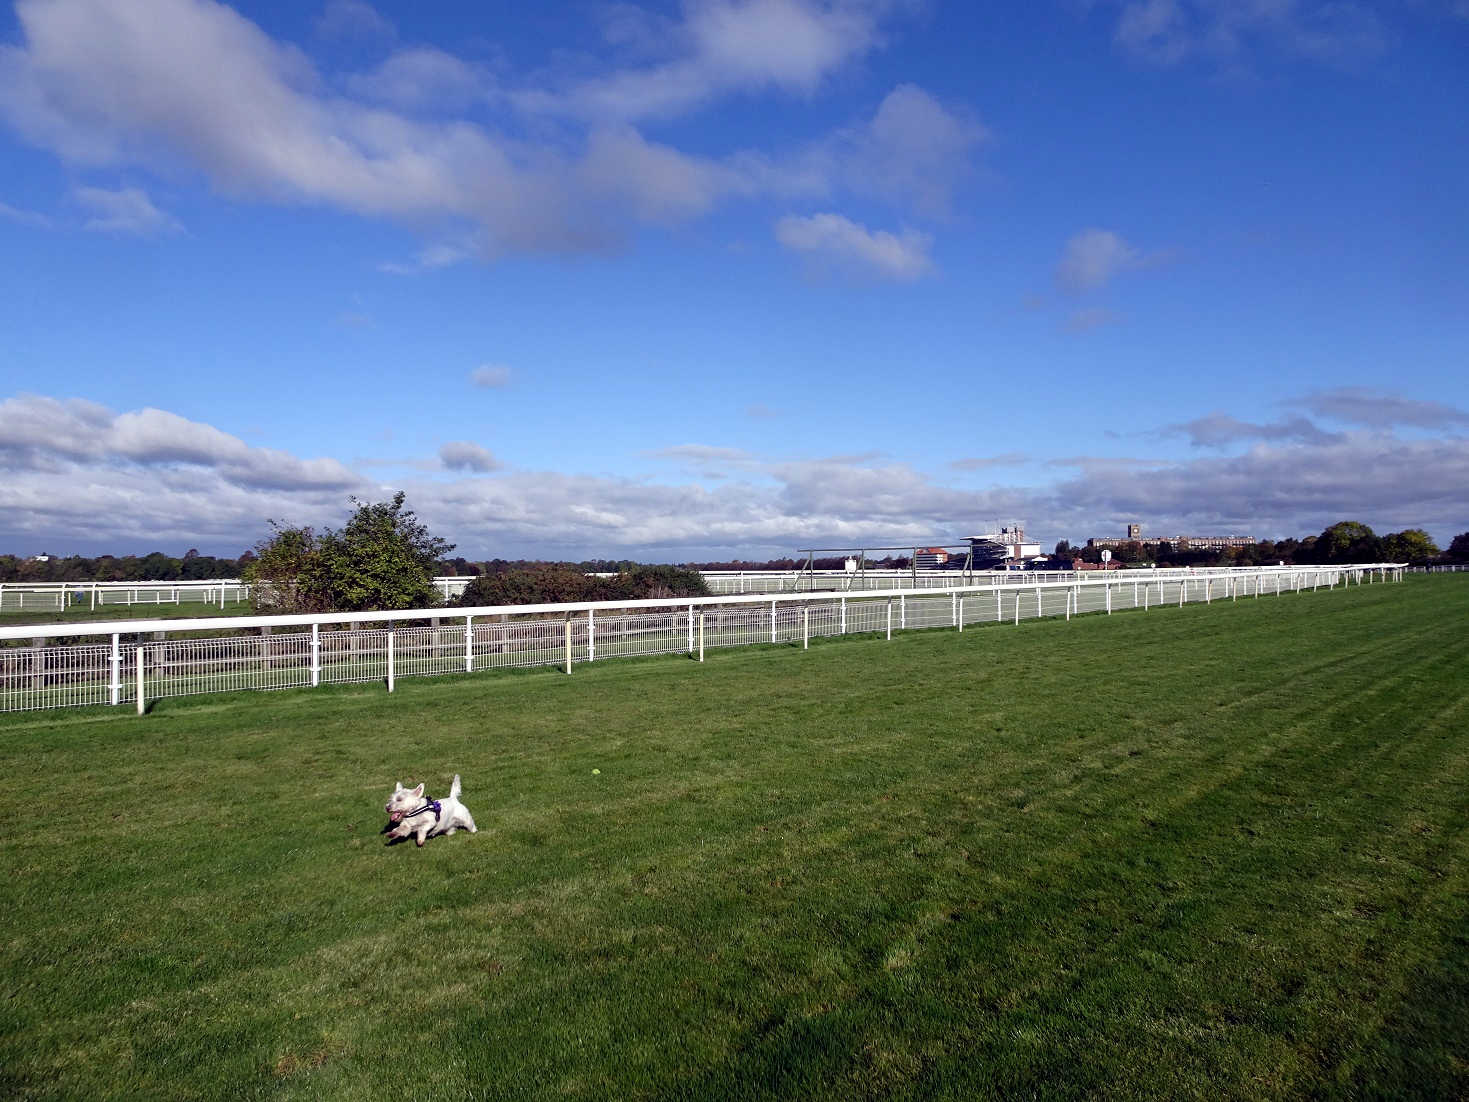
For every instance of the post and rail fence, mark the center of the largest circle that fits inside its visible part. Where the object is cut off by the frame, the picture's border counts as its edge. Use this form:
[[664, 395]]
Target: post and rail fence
[[138, 661]]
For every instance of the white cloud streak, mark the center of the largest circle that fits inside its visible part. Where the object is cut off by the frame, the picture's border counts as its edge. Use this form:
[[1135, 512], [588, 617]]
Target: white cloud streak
[[834, 242], [490, 376], [1232, 33], [127, 210]]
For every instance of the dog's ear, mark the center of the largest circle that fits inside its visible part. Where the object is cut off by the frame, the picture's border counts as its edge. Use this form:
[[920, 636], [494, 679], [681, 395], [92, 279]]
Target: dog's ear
[[417, 792], [397, 786]]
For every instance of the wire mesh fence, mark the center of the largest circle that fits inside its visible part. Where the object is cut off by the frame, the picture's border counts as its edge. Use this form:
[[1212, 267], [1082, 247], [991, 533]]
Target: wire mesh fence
[[137, 666]]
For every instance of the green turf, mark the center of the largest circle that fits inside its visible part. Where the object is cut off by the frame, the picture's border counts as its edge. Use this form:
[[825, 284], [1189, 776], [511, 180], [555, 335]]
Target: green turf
[[1211, 852], [82, 613]]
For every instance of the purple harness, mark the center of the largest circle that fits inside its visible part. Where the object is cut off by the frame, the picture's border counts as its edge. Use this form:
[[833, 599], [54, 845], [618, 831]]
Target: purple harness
[[427, 805]]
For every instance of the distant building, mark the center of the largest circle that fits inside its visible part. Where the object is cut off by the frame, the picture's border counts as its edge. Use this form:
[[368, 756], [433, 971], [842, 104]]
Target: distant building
[[1178, 543], [930, 558], [1012, 539]]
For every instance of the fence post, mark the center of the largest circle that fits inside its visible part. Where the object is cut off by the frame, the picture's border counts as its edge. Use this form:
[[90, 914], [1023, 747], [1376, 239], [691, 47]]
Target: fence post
[[954, 607], [568, 644], [591, 635], [1037, 602], [390, 660], [999, 607], [691, 627], [805, 627], [701, 637], [315, 655], [902, 612], [1107, 589], [1017, 608], [844, 615], [469, 644], [890, 617], [959, 614], [772, 621], [115, 689], [142, 701]]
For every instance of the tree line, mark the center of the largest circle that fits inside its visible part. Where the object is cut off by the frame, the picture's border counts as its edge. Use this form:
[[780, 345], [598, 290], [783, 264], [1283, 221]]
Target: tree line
[[1347, 541]]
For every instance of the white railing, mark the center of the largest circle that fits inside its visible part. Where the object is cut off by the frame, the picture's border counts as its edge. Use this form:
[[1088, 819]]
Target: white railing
[[851, 581], [134, 662], [60, 596]]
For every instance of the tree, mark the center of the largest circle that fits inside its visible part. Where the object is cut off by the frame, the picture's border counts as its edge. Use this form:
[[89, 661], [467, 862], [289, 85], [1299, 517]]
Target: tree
[[1409, 545], [1347, 541], [1063, 548], [1458, 548], [383, 559], [285, 571]]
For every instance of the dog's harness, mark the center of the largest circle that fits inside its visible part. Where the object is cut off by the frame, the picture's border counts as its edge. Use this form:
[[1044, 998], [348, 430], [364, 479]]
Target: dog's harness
[[428, 805]]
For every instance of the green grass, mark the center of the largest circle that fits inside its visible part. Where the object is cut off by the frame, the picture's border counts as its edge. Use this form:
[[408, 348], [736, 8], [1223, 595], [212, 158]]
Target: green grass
[[1197, 852], [82, 613]]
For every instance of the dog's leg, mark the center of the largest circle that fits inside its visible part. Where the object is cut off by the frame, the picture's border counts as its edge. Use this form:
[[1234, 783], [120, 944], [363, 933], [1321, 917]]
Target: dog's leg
[[469, 822]]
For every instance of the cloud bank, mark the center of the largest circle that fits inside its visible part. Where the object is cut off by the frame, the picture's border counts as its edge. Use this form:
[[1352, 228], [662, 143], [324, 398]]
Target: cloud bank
[[76, 476]]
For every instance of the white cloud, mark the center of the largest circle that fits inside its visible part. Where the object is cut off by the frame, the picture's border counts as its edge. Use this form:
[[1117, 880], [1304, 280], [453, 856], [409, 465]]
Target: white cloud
[[1093, 258], [73, 473], [722, 46], [162, 84], [353, 19], [45, 434], [837, 242], [24, 217], [490, 375], [128, 210], [420, 78], [1380, 409], [1231, 33], [1220, 429], [428, 259], [462, 455], [984, 463], [914, 150]]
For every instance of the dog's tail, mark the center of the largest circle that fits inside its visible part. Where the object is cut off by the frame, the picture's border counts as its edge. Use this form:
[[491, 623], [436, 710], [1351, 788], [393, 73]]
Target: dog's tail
[[454, 788]]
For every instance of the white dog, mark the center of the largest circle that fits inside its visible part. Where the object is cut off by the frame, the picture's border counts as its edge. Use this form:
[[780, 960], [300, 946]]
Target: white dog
[[409, 813]]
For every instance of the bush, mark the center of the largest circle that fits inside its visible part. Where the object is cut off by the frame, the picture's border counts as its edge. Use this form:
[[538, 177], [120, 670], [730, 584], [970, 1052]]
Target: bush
[[562, 584]]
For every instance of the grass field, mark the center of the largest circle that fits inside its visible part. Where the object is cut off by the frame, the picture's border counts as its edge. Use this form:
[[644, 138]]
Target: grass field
[[84, 614], [1211, 852]]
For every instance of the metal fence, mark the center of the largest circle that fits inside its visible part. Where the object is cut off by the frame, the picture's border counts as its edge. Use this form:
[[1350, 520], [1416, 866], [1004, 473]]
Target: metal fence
[[135, 662], [60, 596]]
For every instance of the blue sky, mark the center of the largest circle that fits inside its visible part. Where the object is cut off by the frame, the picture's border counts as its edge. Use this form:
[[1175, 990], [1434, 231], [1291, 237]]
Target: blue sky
[[730, 278]]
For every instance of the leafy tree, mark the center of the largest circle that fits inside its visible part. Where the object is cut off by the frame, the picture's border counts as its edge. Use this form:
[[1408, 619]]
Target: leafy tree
[[1063, 547], [1458, 548], [383, 559], [286, 572], [1409, 545], [1347, 541]]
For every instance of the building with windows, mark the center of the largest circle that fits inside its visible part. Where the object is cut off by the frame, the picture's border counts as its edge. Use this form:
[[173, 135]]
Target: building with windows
[[1178, 543], [1012, 538], [930, 558]]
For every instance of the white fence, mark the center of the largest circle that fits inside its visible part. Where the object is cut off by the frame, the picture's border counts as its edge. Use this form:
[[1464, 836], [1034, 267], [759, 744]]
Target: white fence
[[134, 662], [801, 581], [59, 596]]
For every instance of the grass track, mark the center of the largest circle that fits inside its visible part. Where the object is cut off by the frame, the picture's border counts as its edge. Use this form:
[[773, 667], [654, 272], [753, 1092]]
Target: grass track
[[1192, 852]]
